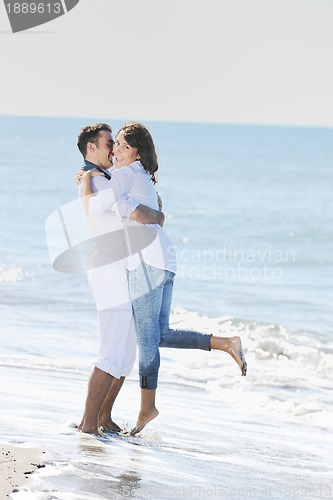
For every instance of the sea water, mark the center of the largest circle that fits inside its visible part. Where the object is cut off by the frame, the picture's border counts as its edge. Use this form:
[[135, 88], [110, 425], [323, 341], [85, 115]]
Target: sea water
[[249, 209]]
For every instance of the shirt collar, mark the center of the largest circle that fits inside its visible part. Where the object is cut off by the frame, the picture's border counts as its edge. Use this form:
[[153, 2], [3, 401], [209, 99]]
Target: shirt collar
[[137, 164], [87, 165]]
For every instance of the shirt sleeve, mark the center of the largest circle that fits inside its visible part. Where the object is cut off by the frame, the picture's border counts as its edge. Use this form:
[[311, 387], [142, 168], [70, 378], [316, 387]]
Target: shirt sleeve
[[125, 206], [119, 186], [99, 183]]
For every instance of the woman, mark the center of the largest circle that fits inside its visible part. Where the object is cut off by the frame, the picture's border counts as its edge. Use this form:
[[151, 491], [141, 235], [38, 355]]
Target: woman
[[151, 272]]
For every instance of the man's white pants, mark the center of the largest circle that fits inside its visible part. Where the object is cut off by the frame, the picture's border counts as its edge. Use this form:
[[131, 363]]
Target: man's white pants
[[109, 287]]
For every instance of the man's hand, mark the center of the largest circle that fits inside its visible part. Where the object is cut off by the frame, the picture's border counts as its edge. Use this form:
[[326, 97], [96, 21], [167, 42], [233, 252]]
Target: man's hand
[[146, 215], [159, 201], [162, 219]]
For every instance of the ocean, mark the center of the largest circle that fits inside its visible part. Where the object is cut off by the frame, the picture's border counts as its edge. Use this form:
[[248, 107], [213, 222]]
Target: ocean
[[249, 209]]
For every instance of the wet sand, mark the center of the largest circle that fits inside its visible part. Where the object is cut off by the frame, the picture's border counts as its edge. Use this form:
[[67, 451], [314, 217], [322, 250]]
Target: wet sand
[[16, 466]]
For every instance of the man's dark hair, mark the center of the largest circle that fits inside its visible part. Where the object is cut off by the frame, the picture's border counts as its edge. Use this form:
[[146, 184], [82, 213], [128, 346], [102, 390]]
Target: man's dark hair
[[90, 134]]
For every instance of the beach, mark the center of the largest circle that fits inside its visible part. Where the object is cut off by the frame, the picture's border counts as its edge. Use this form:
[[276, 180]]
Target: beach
[[202, 445], [251, 219], [16, 466]]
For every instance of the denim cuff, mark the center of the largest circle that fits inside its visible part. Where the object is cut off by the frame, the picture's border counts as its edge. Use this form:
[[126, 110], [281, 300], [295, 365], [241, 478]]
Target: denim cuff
[[204, 342], [148, 382]]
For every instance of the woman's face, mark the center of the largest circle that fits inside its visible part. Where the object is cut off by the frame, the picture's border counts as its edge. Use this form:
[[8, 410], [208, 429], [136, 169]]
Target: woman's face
[[124, 154]]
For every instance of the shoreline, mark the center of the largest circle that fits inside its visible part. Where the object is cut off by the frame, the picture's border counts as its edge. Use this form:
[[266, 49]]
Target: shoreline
[[16, 466]]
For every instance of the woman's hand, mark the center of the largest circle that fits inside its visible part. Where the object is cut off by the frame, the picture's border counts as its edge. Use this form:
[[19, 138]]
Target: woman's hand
[[94, 172], [81, 173], [78, 177]]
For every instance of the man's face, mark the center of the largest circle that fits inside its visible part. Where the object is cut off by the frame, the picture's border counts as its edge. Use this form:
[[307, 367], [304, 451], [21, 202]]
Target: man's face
[[103, 151]]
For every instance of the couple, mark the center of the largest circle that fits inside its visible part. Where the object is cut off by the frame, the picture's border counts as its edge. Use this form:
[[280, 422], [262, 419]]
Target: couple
[[141, 284]]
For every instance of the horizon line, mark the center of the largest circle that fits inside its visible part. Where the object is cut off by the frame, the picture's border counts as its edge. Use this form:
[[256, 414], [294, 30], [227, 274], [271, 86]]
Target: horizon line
[[169, 120]]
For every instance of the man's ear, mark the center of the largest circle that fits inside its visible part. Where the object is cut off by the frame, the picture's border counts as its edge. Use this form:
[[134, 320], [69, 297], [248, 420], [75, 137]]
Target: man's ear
[[91, 147]]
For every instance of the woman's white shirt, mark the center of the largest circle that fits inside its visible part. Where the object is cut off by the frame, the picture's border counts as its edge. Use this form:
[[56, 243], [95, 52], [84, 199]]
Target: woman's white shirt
[[134, 183]]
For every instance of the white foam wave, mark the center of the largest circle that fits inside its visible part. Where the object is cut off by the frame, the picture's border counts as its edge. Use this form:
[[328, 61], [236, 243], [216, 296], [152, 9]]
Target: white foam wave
[[305, 351], [12, 274], [62, 365], [289, 373], [277, 343]]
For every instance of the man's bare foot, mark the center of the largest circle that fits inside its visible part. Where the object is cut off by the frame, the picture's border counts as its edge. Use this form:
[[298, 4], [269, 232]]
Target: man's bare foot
[[92, 432], [109, 426], [143, 420], [236, 351]]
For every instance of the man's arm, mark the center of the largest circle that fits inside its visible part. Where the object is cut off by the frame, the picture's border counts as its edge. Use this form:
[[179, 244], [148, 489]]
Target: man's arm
[[146, 215], [141, 214], [130, 208]]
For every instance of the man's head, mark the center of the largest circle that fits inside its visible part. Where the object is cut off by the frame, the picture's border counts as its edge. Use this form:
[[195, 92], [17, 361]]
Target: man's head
[[95, 143]]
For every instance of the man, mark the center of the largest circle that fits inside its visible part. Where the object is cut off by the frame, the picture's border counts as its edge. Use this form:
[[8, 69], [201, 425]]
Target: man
[[108, 284]]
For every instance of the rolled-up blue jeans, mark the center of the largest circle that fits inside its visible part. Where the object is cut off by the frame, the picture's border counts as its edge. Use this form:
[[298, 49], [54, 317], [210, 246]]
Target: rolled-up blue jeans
[[150, 290]]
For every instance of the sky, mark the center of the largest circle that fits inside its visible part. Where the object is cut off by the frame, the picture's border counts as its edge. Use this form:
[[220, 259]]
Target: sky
[[225, 61]]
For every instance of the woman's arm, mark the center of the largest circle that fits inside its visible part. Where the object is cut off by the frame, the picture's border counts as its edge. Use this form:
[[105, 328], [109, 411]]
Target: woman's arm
[[98, 203], [120, 185]]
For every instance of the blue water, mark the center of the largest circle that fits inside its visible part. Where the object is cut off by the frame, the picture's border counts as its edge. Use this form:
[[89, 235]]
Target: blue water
[[248, 207], [249, 210], [254, 189]]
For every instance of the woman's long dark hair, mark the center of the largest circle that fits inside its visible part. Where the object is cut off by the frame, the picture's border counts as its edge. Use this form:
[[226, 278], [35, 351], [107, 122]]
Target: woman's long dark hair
[[137, 136]]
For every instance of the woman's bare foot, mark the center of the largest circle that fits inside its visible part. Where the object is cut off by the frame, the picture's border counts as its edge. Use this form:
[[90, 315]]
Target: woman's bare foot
[[109, 425], [143, 419], [233, 346], [236, 351]]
